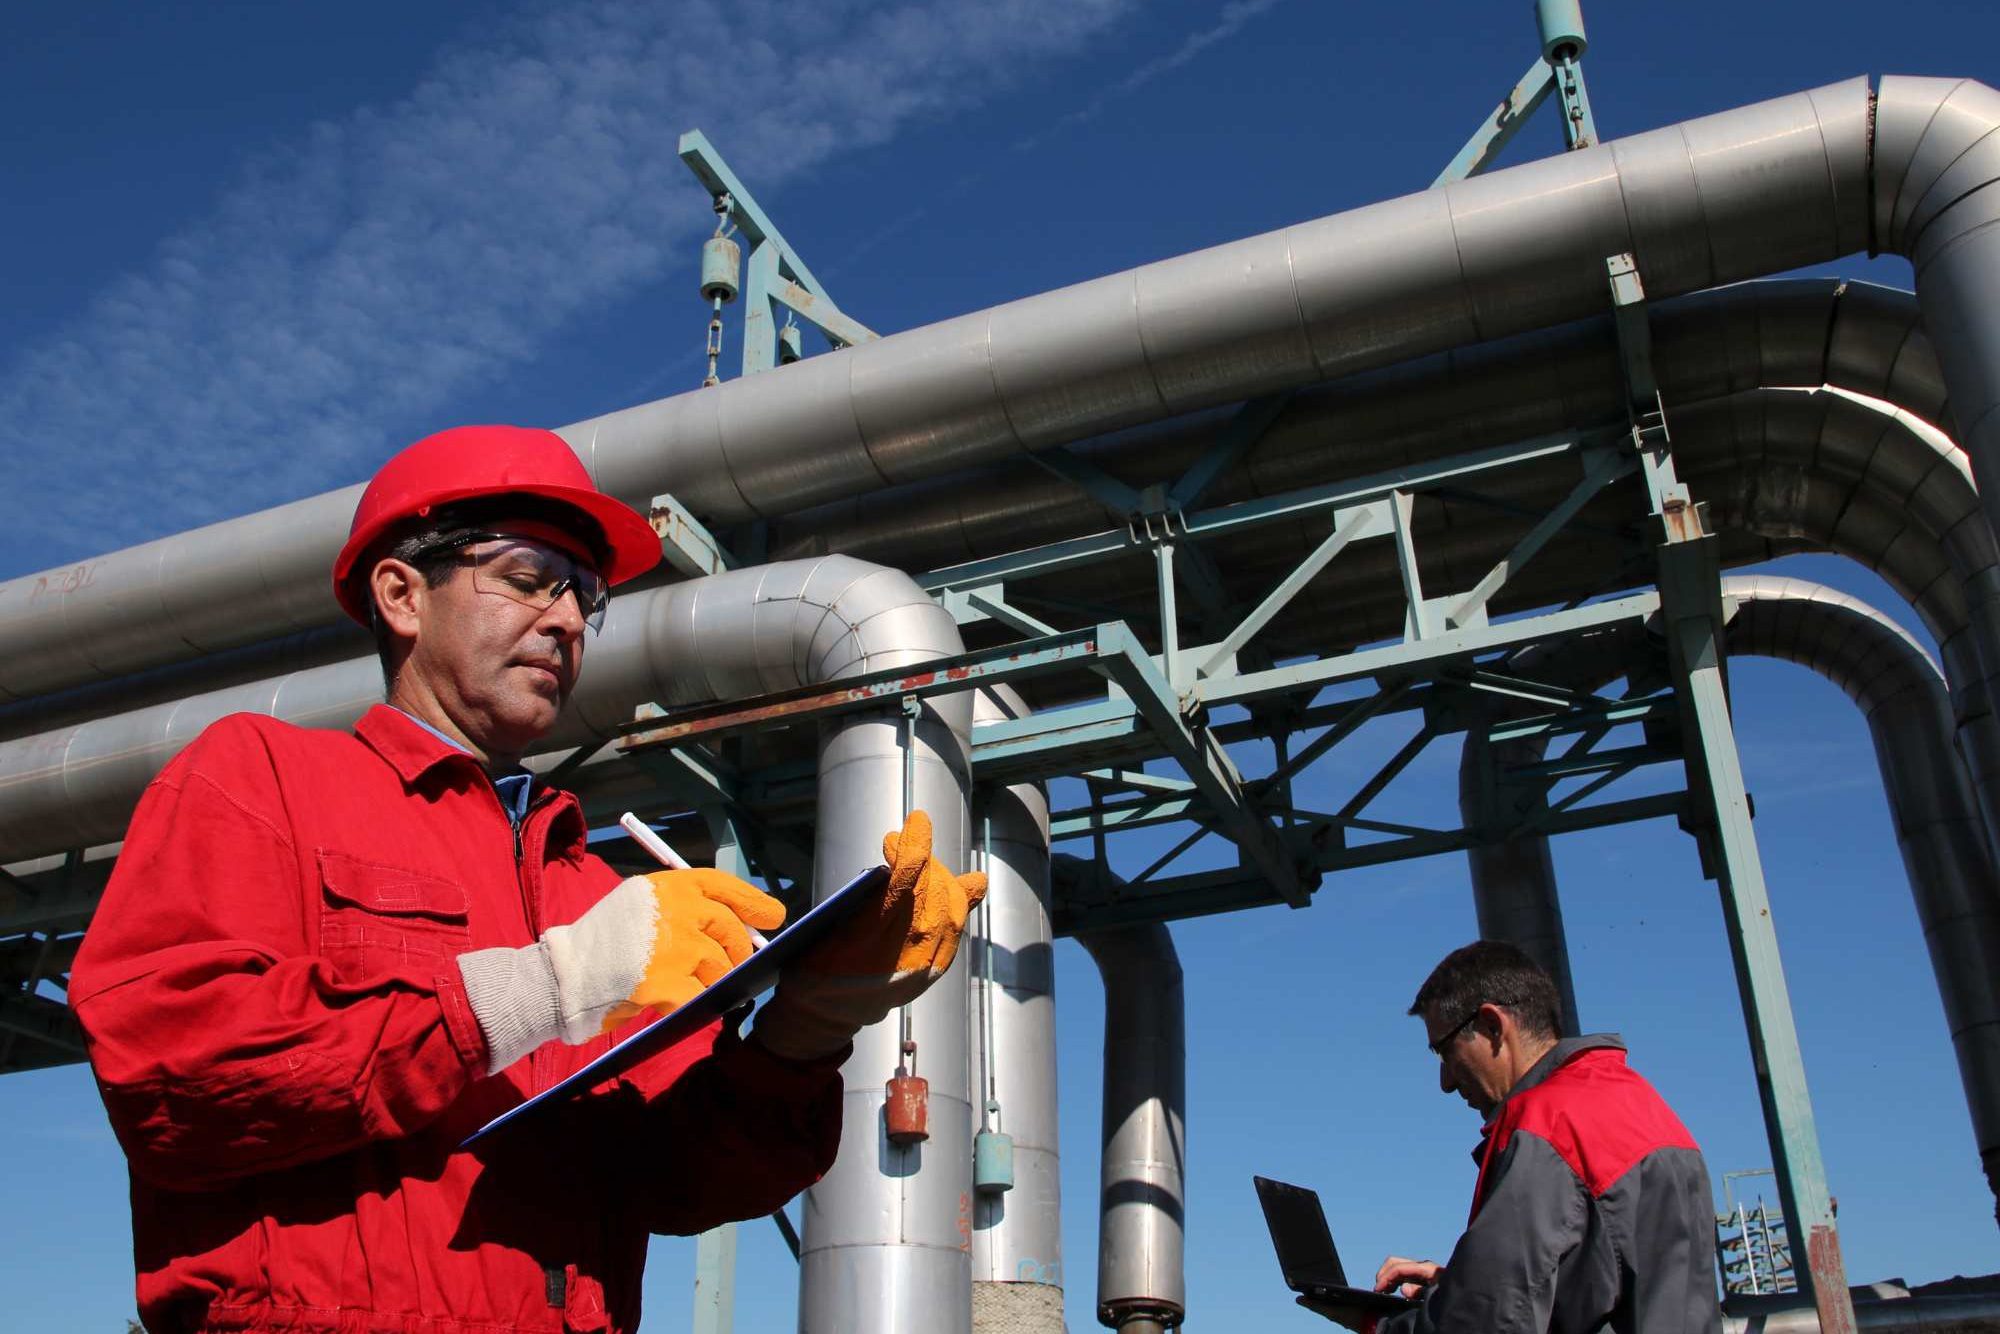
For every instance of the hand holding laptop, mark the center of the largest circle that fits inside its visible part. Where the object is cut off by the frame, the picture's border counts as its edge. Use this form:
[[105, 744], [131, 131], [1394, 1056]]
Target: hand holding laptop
[[1312, 1267], [1398, 1277], [1408, 1277]]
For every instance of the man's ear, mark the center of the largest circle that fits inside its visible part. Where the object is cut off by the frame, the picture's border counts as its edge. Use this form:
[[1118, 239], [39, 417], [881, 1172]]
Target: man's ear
[[398, 590], [1493, 1022]]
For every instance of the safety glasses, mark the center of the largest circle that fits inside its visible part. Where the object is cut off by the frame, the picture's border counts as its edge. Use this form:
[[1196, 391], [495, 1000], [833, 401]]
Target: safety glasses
[[1437, 1048], [532, 573]]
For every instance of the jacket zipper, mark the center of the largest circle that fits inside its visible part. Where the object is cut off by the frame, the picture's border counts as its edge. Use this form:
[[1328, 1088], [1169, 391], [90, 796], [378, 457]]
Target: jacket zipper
[[529, 911]]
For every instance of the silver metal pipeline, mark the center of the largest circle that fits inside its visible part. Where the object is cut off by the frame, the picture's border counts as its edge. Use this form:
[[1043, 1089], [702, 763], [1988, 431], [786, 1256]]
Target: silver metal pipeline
[[1882, 488], [1901, 694], [883, 1244], [1017, 1272], [1746, 192], [1519, 904], [1141, 1283], [1853, 336], [1936, 157]]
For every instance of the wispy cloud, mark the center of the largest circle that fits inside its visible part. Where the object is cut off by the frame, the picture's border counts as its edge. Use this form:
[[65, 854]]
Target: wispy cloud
[[1229, 21], [344, 286]]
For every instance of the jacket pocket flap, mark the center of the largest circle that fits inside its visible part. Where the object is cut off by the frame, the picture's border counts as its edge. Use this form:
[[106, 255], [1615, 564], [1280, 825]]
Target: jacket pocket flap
[[389, 889]]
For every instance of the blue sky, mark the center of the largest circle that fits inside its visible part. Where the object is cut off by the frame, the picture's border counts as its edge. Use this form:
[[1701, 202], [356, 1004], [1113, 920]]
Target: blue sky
[[251, 249]]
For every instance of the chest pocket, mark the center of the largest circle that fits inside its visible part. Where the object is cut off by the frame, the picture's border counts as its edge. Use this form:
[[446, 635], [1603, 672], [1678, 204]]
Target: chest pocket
[[376, 919]]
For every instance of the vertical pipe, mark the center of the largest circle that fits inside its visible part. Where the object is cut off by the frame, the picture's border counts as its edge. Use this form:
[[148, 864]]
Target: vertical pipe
[[887, 1235], [1514, 879], [1017, 1274], [1141, 1284], [1957, 891]]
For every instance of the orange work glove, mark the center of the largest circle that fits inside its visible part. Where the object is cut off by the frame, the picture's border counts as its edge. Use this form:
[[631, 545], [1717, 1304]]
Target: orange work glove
[[883, 956], [651, 943]]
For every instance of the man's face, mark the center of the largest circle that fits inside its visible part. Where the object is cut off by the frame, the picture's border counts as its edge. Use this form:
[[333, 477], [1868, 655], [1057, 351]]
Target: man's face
[[499, 666], [1471, 1056]]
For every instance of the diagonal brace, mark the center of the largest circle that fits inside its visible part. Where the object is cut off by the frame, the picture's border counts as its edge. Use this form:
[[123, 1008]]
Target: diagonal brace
[[1501, 125], [1350, 525], [820, 312], [1121, 500], [1600, 468], [1202, 758], [1238, 434]]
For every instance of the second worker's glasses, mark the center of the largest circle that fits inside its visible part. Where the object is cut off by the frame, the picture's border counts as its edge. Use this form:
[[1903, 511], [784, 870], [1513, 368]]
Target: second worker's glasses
[[1437, 1048], [529, 572]]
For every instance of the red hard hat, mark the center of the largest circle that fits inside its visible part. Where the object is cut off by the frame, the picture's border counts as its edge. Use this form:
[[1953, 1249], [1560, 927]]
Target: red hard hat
[[471, 462]]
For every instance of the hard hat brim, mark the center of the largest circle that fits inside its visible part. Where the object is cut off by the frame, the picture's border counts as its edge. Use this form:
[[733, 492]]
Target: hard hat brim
[[631, 545]]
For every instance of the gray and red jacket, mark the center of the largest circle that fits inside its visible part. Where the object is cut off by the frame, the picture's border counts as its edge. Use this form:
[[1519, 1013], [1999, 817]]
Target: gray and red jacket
[[1592, 1212]]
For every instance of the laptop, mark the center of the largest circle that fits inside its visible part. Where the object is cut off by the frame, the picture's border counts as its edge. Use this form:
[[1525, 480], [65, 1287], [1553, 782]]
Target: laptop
[[744, 982], [1306, 1254]]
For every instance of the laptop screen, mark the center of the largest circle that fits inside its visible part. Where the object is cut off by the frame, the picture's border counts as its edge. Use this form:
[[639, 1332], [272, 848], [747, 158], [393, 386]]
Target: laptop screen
[[1300, 1235]]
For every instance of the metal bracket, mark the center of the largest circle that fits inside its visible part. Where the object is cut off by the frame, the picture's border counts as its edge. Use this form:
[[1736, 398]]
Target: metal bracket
[[687, 545], [1579, 127], [774, 273], [1680, 519]]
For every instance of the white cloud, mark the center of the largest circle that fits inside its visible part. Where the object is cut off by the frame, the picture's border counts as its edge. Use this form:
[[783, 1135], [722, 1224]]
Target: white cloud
[[387, 261], [1229, 21]]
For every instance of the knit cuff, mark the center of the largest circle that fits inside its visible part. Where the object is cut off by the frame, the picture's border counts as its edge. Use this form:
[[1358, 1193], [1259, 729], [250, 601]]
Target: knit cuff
[[513, 995]]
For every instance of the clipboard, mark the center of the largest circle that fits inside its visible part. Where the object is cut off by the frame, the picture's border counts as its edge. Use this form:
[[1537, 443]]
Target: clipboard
[[746, 981]]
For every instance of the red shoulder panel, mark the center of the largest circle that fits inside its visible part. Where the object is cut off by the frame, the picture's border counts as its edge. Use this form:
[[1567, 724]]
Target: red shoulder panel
[[1599, 1115]]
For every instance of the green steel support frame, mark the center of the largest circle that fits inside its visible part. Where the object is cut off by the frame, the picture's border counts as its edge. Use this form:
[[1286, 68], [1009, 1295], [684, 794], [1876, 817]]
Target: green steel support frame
[[1719, 815]]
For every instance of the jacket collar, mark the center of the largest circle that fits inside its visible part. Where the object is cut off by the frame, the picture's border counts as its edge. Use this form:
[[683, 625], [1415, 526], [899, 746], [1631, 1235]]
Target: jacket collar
[[1560, 1055], [411, 750]]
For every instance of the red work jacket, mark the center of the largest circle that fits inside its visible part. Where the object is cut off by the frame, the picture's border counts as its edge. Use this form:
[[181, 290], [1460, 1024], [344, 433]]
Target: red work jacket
[[274, 1014]]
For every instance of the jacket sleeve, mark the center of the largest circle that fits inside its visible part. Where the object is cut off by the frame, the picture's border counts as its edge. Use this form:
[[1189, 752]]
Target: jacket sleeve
[[1501, 1277], [221, 1045], [719, 1130]]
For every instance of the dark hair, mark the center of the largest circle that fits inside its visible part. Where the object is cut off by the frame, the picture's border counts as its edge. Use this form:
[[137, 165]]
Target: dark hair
[[415, 543], [1492, 972]]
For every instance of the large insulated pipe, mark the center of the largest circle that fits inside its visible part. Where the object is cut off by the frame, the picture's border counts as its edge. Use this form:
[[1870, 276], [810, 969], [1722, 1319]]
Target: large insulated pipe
[[1017, 1272], [1141, 1283], [884, 1246], [1936, 161], [1925, 530], [1519, 904], [1901, 694], [1747, 192]]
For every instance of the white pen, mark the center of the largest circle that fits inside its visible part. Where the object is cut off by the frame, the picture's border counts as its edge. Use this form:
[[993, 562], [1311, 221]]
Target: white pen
[[643, 835]]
